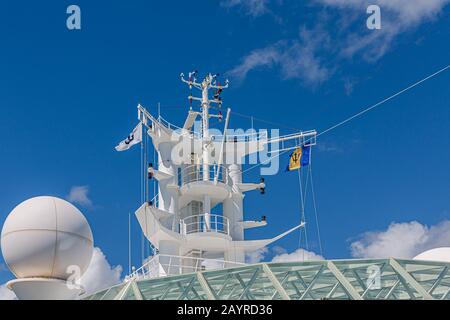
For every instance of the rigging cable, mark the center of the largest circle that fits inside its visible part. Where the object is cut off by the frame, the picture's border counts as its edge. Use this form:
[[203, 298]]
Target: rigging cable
[[141, 174], [153, 249], [252, 119], [315, 210], [147, 192], [129, 242], [302, 209], [384, 100], [361, 112], [302, 206]]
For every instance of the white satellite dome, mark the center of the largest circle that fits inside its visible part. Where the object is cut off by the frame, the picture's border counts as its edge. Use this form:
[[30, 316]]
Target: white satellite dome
[[437, 254], [43, 236]]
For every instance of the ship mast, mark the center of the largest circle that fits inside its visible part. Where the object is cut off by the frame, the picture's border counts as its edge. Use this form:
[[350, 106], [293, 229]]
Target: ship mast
[[178, 221], [209, 82]]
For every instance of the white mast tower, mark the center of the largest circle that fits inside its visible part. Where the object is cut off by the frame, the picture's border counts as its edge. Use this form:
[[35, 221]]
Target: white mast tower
[[193, 179]]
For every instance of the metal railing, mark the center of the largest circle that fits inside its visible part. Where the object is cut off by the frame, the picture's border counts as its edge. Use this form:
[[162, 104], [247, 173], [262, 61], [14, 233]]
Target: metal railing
[[195, 172], [162, 265], [177, 129], [245, 137], [205, 223]]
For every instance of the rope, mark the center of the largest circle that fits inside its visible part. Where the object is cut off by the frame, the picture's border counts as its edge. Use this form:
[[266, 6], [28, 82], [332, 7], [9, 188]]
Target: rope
[[129, 242], [142, 194], [141, 172], [252, 118], [384, 100], [154, 180], [302, 205], [303, 196], [301, 213], [145, 174], [152, 248], [315, 210]]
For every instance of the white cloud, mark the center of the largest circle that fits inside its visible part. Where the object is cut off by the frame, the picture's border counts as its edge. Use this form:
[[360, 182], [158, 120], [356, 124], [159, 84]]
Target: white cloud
[[281, 255], [265, 57], [402, 240], [6, 294], [100, 274], [397, 16], [79, 195], [256, 256], [408, 11], [253, 8], [278, 250], [298, 255], [313, 57], [297, 59]]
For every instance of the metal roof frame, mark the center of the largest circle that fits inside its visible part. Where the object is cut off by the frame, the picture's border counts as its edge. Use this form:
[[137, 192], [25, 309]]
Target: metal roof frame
[[313, 280]]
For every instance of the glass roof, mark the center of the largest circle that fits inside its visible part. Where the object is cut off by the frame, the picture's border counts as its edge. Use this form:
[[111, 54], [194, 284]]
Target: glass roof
[[310, 280]]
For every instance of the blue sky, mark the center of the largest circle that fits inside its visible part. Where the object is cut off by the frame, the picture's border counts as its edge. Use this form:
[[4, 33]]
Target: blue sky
[[67, 97]]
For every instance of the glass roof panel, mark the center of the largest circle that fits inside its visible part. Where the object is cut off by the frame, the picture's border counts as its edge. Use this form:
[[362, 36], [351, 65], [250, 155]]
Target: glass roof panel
[[311, 280]]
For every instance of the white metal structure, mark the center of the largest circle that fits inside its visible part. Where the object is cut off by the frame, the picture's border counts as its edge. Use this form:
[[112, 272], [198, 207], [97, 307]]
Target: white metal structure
[[436, 254], [197, 172], [44, 241]]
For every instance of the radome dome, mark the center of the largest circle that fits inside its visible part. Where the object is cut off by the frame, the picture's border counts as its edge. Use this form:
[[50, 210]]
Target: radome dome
[[436, 254], [46, 237]]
